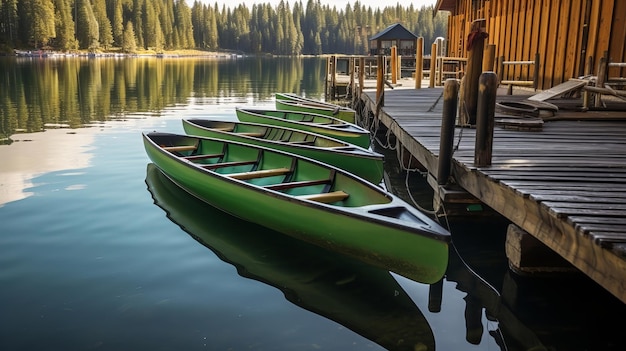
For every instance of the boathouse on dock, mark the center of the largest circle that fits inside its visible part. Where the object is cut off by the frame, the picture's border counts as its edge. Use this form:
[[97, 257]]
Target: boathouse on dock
[[394, 35], [556, 40]]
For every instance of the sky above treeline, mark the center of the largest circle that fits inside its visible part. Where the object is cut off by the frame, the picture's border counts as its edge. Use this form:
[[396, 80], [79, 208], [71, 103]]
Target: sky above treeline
[[339, 4]]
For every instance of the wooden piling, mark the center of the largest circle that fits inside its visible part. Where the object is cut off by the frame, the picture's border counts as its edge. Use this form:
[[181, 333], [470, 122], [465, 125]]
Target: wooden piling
[[450, 100], [419, 62], [485, 118], [394, 64], [433, 65], [490, 58], [380, 81], [467, 113], [351, 69], [361, 74]]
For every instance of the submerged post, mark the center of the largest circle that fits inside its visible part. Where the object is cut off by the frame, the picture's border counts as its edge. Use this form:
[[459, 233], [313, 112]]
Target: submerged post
[[485, 118], [450, 100], [419, 62]]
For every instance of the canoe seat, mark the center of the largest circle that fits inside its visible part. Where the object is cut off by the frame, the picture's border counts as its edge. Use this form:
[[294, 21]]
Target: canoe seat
[[298, 184], [227, 164], [252, 134], [179, 148], [202, 157], [302, 142], [326, 197], [259, 174]]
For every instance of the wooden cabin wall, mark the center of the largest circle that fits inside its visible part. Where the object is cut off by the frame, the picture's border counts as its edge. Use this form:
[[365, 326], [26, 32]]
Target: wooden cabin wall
[[569, 35]]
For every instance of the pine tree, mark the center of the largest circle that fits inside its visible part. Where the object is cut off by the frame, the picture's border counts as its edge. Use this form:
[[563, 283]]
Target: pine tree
[[105, 31], [117, 23], [128, 40], [66, 35], [39, 14]]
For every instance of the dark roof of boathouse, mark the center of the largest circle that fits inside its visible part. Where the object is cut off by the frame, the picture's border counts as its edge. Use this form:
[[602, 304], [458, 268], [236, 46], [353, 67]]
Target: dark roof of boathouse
[[395, 31]]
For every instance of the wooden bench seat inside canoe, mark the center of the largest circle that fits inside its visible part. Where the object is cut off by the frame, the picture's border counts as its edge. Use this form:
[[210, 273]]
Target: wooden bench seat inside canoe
[[252, 134], [181, 148], [202, 157], [297, 184], [334, 196], [227, 164], [260, 173]]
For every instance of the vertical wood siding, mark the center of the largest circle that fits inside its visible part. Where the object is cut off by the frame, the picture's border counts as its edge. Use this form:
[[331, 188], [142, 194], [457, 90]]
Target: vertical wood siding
[[570, 35]]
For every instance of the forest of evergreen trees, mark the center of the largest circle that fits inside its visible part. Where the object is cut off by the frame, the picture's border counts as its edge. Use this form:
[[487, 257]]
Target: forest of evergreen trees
[[131, 25]]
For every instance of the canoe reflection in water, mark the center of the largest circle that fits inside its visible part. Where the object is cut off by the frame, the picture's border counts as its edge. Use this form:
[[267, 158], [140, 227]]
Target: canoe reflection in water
[[363, 298]]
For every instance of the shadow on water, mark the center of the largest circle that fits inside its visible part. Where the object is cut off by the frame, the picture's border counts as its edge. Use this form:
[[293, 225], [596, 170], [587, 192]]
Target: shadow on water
[[549, 312], [365, 299]]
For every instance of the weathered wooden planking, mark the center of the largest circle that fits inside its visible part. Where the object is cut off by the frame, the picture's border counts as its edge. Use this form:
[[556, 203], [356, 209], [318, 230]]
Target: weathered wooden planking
[[563, 184]]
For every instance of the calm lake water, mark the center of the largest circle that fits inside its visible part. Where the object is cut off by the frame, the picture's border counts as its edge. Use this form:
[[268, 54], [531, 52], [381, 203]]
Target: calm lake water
[[98, 251]]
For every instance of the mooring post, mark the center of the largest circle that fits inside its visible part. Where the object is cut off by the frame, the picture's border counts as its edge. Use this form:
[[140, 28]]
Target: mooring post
[[351, 68], [433, 65], [450, 100], [394, 64], [489, 60], [361, 74], [475, 48], [419, 62], [485, 118], [380, 81]]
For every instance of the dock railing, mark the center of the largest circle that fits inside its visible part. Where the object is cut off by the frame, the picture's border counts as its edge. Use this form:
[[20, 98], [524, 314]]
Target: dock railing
[[514, 76]]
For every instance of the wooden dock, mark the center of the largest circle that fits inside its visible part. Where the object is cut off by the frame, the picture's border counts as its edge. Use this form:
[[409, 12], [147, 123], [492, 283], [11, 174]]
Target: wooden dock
[[561, 183]]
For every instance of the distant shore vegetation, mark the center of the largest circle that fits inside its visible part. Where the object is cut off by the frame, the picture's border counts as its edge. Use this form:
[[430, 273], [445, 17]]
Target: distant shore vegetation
[[135, 26]]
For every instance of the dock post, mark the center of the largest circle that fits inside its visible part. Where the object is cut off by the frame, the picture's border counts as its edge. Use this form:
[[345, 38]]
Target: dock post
[[490, 58], [433, 65], [419, 62], [334, 77], [327, 76], [450, 100], [475, 48], [361, 74], [380, 81], [350, 88], [485, 118], [394, 64]]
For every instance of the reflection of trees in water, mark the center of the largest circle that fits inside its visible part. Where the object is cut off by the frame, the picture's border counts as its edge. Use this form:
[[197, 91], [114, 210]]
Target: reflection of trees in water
[[39, 93]]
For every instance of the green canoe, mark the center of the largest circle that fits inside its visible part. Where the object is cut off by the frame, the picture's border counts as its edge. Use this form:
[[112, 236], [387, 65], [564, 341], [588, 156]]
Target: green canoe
[[310, 122], [329, 284], [306, 199], [355, 159], [293, 102]]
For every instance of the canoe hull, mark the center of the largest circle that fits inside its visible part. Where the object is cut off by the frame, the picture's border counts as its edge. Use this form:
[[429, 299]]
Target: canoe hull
[[343, 114], [416, 251], [364, 163], [310, 122]]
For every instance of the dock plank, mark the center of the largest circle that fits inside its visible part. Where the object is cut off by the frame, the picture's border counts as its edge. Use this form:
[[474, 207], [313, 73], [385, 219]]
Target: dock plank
[[564, 183]]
